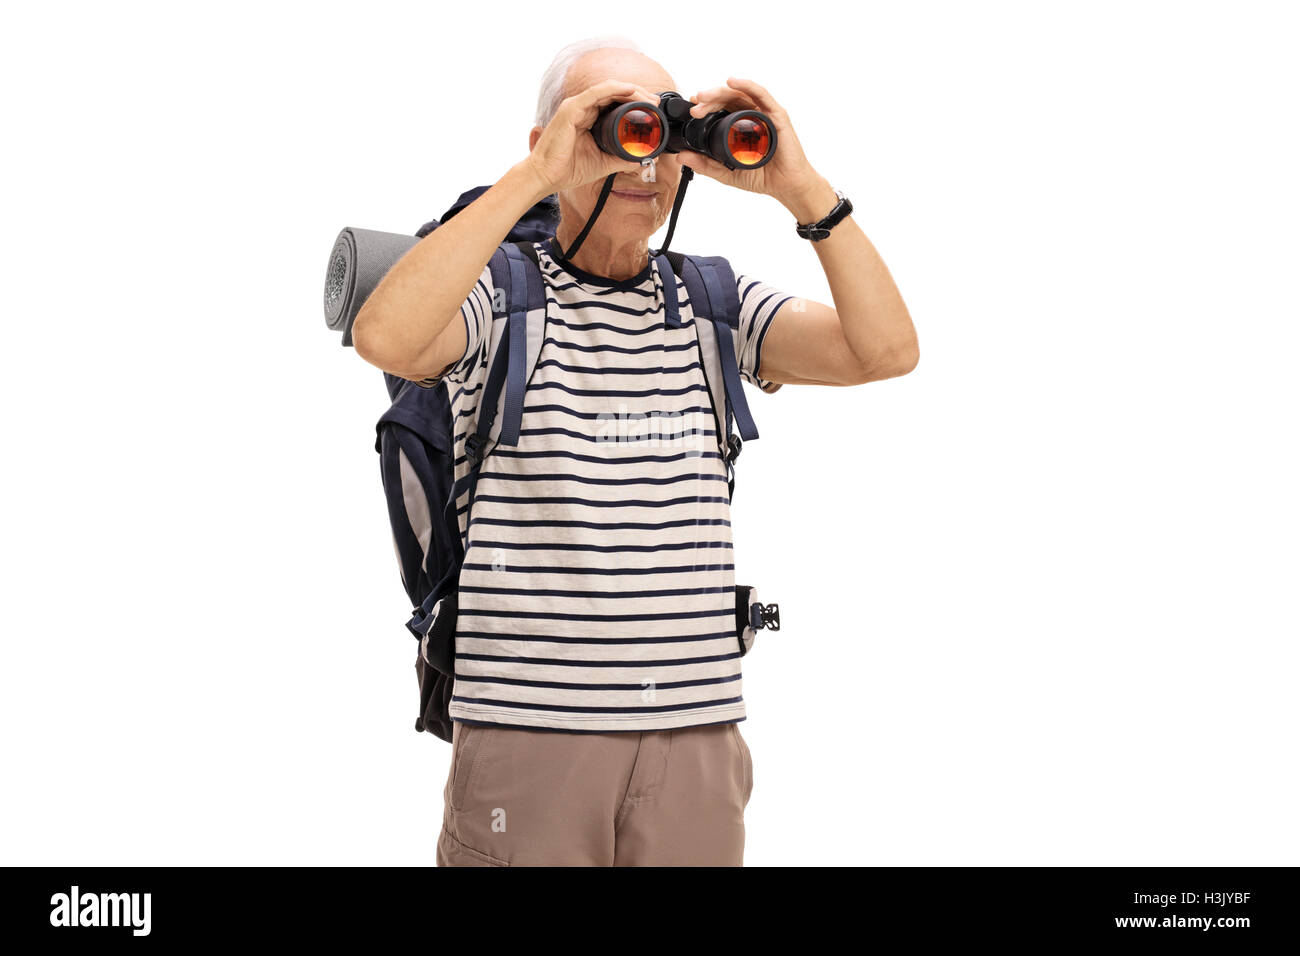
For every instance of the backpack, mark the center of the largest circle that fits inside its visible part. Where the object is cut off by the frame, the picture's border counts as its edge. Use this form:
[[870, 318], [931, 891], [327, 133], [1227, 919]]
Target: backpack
[[414, 437]]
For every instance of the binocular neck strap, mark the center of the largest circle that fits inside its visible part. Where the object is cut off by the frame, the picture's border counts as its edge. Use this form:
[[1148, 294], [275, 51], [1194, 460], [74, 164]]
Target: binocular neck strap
[[600, 204], [687, 175]]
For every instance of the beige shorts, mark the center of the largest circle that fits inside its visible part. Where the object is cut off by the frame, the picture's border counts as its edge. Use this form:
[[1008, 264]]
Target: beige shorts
[[548, 798]]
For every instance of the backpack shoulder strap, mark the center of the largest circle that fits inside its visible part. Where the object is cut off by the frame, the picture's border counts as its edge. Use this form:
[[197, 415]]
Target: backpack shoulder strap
[[519, 320], [711, 287], [529, 298], [670, 266]]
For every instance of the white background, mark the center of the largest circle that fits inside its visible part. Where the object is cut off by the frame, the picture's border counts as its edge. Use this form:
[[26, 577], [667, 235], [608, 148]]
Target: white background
[[1039, 596]]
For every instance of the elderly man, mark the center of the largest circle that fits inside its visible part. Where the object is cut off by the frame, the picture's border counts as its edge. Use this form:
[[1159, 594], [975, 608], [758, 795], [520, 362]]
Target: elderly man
[[597, 696]]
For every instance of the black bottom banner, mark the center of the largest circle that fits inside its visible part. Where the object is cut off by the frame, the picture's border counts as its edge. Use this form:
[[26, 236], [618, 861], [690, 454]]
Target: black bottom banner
[[1223, 908]]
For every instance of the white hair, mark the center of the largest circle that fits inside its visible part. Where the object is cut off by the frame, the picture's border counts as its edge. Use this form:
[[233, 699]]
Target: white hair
[[552, 92]]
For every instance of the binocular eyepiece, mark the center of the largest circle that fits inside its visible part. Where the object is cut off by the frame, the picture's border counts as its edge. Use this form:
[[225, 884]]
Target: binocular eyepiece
[[740, 139]]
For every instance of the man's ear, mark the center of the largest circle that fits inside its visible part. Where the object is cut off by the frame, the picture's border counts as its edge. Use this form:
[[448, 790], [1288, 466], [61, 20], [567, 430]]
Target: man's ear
[[533, 137]]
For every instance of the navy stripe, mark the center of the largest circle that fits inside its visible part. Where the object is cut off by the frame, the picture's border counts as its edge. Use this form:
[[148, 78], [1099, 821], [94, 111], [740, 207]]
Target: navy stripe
[[553, 303], [588, 370], [570, 685], [562, 615], [578, 730], [603, 459], [566, 662], [760, 337], [758, 309], [573, 346], [611, 549], [552, 271], [625, 618], [566, 286], [568, 708], [605, 326], [464, 390], [600, 525], [681, 569], [622, 440], [596, 595], [689, 455], [590, 503], [582, 479], [614, 416], [553, 639], [618, 392], [477, 309]]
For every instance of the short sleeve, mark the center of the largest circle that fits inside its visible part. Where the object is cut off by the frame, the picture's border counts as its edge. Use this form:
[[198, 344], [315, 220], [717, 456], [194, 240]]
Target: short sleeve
[[759, 303], [476, 313]]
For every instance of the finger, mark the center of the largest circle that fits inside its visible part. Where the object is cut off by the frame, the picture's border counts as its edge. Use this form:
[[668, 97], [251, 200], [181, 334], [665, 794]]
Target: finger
[[582, 109], [762, 99], [719, 98], [602, 94], [712, 105], [642, 94], [613, 91]]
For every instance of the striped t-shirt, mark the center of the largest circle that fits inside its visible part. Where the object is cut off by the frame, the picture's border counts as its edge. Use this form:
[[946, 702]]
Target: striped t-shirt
[[597, 588]]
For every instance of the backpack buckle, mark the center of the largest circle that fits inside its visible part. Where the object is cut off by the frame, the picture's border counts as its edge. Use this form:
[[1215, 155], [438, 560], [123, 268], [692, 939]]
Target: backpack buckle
[[474, 448], [734, 444], [765, 616]]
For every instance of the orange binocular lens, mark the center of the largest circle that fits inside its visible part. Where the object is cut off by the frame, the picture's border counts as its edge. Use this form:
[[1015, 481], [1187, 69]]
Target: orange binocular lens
[[632, 131], [640, 133], [749, 140]]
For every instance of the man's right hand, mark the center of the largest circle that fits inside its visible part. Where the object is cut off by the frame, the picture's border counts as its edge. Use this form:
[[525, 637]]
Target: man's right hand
[[566, 155]]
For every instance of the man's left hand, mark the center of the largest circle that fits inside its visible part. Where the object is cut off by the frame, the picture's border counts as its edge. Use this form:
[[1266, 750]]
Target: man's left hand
[[788, 177]]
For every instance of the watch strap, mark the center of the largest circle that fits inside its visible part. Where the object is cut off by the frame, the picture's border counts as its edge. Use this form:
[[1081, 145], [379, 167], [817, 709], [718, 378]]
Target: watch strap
[[816, 231]]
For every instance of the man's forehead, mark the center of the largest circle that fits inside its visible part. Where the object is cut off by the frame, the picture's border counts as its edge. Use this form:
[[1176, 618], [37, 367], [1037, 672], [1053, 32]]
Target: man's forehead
[[626, 65]]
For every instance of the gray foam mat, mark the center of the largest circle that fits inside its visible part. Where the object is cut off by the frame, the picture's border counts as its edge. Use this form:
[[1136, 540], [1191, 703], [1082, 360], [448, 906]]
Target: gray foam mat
[[359, 260]]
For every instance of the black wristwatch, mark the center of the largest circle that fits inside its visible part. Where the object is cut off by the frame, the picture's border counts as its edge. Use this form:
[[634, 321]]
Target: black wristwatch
[[819, 230]]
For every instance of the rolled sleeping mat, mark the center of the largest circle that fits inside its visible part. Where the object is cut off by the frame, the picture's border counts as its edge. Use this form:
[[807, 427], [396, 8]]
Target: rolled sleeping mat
[[359, 259]]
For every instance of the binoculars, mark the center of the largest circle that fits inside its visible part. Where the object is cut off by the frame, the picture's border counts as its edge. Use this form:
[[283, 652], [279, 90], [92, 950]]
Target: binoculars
[[640, 131]]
